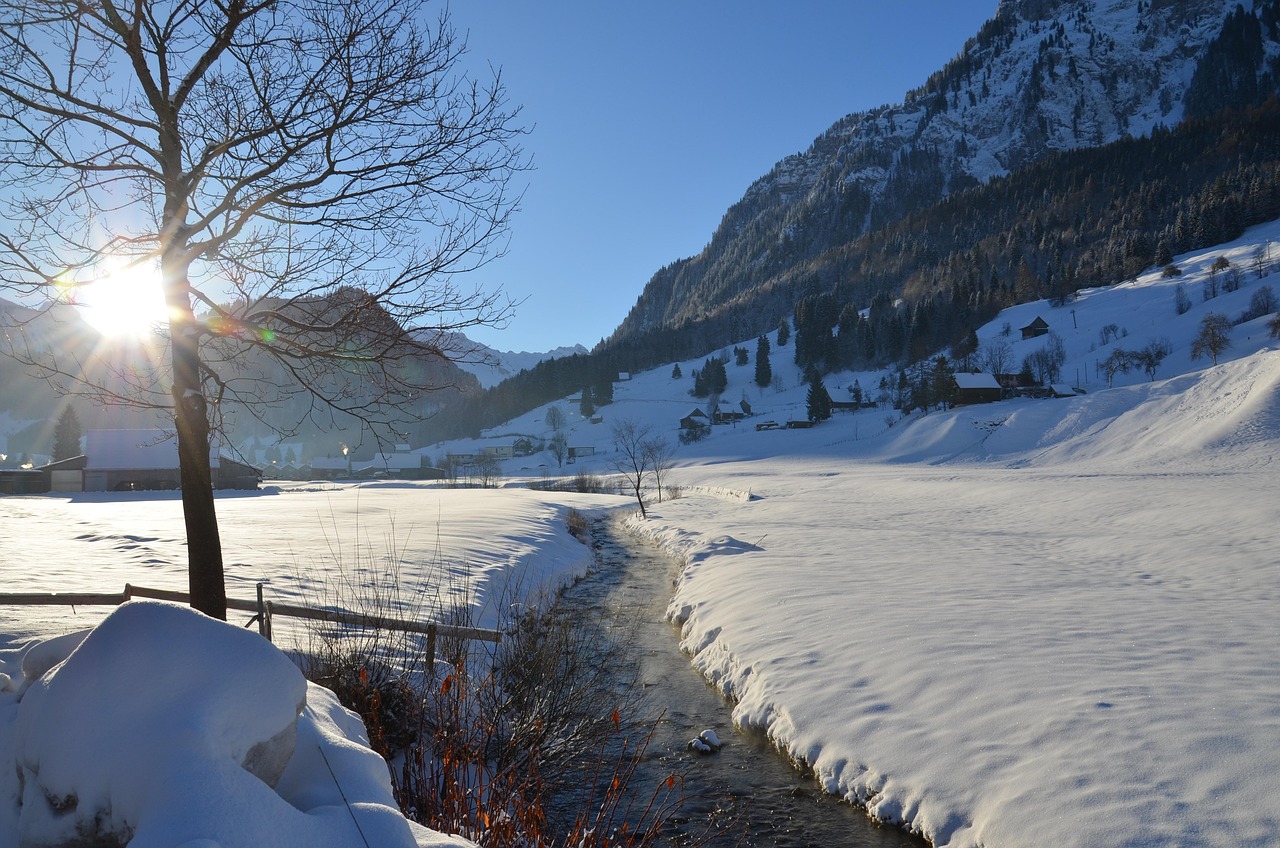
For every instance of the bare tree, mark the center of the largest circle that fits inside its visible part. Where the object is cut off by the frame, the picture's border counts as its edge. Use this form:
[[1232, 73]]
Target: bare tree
[[1153, 354], [555, 418], [632, 457], [488, 470], [308, 177], [660, 457], [559, 447], [1214, 337], [997, 357]]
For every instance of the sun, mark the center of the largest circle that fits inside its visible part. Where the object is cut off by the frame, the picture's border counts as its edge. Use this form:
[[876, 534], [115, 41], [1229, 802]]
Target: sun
[[126, 301]]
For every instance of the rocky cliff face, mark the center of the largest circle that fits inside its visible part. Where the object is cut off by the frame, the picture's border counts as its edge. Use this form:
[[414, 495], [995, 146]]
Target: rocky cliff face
[[1042, 76]]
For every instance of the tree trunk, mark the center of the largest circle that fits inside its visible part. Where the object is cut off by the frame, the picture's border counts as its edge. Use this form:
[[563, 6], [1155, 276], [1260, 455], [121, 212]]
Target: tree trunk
[[204, 544], [191, 419]]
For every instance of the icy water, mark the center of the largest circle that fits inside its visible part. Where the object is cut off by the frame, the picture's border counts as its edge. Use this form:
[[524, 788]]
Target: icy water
[[748, 787]]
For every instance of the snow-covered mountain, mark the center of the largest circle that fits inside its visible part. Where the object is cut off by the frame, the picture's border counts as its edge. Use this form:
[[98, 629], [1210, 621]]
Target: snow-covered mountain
[[491, 366], [1042, 76]]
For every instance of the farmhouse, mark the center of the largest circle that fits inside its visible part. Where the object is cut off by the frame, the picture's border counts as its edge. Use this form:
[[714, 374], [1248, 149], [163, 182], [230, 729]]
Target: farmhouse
[[977, 388], [694, 420], [1038, 327], [124, 460]]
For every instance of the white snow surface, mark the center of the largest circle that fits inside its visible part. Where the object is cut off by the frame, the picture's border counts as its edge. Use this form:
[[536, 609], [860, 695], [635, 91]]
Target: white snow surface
[[1033, 622], [170, 728]]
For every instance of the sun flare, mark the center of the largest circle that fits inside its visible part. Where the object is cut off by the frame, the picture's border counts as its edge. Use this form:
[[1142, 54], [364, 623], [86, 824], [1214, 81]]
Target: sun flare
[[126, 301]]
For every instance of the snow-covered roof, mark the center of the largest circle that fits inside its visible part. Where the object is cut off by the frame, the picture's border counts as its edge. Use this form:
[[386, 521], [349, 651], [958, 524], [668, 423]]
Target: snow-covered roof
[[977, 381], [133, 450], [393, 461]]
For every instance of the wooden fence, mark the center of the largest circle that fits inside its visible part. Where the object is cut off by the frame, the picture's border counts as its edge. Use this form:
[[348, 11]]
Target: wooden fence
[[263, 610]]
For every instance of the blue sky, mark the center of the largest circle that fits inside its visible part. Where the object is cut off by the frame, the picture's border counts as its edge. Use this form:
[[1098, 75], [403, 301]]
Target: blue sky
[[649, 120]]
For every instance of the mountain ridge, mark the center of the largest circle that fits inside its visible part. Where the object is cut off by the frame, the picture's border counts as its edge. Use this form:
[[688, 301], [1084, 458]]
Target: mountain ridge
[[1039, 77]]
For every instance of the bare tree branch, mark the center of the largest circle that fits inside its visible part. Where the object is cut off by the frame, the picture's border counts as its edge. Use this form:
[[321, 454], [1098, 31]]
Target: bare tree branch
[[310, 176]]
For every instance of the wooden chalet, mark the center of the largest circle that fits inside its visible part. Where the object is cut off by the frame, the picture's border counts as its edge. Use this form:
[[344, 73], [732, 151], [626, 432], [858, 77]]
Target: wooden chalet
[[1038, 327], [694, 420], [977, 388]]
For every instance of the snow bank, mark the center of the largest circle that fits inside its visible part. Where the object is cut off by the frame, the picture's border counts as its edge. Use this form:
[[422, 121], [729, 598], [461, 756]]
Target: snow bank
[[1043, 623], [161, 727]]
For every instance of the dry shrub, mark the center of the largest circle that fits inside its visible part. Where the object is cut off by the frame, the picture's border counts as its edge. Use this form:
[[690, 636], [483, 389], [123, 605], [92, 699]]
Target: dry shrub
[[530, 742], [578, 525]]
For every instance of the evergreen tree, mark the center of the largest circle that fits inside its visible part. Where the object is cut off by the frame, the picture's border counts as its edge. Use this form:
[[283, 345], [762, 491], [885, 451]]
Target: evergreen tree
[[944, 382], [817, 401], [764, 371], [714, 378], [784, 333], [66, 434], [588, 406], [602, 394], [676, 373]]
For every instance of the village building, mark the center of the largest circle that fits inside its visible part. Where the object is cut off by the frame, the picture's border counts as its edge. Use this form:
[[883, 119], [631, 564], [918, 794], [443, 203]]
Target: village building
[[127, 460], [694, 420], [1038, 327], [977, 388]]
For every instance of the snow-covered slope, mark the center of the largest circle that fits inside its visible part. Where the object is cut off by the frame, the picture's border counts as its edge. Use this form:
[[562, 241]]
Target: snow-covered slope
[[1031, 622]]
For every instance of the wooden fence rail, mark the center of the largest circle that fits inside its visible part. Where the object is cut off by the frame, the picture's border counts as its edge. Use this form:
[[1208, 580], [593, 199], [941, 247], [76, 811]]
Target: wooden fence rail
[[263, 611]]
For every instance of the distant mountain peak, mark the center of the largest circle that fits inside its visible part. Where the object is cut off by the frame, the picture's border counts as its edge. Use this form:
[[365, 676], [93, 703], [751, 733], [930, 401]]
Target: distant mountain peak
[[491, 366]]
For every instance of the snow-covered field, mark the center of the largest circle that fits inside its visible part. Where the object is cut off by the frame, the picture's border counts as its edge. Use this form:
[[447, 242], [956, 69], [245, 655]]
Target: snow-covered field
[[147, 724], [1037, 622]]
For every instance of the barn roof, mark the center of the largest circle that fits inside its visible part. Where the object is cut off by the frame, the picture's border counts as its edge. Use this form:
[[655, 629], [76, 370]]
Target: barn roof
[[977, 381], [132, 450]]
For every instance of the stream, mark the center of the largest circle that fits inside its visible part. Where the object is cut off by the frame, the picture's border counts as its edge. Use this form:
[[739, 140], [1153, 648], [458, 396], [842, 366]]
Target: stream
[[747, 787]]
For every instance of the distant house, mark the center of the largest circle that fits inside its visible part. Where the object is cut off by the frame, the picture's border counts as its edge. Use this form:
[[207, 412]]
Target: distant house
[[1062, 390], [23, 481], [694, 420], [585, 450], [522, 447], [744, 406], [1038, 327], [233, 474], [400, 465], [977, 388], [500, 451], [326, 468], [65, 475], [125, 460]]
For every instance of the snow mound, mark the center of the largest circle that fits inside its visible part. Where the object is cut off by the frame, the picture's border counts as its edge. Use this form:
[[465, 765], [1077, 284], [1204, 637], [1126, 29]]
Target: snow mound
[[163, 727]]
